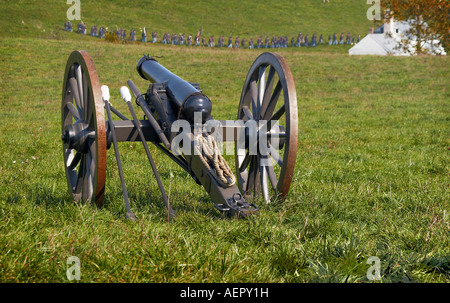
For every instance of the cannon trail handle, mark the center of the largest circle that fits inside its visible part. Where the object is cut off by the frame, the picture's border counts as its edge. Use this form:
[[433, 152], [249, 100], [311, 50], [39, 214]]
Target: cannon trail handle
[[105, 97], [125, 93]]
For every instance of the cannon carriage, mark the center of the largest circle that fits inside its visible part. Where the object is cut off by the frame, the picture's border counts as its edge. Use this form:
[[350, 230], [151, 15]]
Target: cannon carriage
[[178, 121]]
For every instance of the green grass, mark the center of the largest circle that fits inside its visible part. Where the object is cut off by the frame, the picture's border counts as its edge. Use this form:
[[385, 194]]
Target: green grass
[[371, 177], [219, 17]]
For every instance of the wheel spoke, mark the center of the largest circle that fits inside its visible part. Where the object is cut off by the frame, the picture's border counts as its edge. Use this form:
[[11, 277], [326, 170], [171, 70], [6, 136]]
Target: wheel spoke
[[247, 113], [254, 96], [92, 153], [280, 112], [87, 181], [264, 181], [267, 92], [69, 155], [243, 165], [73, 161], [275, 155], [80, 178], [76, 95], [89, 110], [272, 177], [261, 88], [273, 101], [73, 110], [268, 124], [257, 183], [251, 177], [79, 76], [86, 99]]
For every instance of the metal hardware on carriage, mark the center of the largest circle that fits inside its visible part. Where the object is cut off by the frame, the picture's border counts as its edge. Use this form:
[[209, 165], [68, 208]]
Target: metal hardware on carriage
[[168, 99]]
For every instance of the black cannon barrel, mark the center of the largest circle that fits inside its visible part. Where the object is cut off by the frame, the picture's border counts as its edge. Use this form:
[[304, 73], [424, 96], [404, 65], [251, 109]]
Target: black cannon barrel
[[186, 98]]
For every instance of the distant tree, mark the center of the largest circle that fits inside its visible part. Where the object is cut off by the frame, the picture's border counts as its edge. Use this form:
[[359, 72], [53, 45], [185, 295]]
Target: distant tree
[[429, 20]]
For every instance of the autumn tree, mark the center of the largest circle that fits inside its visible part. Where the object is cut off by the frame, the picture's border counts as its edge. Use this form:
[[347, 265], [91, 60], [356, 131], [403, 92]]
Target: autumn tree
[[429, 21]]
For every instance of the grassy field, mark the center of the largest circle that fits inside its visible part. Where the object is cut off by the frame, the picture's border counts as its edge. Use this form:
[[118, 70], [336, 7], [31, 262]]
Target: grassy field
[[219, 17], [371, 178]]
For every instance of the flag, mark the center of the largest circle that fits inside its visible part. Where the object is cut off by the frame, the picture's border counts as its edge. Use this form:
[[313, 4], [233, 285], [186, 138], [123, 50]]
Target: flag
[[200, 31]]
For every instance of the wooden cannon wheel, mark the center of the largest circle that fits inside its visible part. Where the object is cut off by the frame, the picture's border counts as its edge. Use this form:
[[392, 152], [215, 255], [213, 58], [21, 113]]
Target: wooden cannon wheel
[[83, 129], [268, 95]]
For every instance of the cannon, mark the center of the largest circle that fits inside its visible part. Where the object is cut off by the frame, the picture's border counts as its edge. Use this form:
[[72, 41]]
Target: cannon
[[178, 120]]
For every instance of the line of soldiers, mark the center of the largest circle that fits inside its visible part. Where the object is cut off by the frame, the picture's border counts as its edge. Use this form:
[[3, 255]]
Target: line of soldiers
[[274, 42], [95, 31], [181, 39]]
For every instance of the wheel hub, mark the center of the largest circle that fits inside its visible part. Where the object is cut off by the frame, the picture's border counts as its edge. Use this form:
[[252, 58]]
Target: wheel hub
[[77, 136]]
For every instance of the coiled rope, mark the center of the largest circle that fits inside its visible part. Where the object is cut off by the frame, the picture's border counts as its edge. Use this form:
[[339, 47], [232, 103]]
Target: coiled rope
[[209, 153]]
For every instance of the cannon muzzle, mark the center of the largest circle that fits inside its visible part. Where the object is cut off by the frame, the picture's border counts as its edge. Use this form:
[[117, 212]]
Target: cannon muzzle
[[184, 96]]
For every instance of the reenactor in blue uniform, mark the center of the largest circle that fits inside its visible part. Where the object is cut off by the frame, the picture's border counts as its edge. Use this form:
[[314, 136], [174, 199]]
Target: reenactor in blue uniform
[[144, 36], [236, 42], [197, 40], [314, 40], [181, 39], [68, 26], [230, 42], [341, 38], [250, 43]]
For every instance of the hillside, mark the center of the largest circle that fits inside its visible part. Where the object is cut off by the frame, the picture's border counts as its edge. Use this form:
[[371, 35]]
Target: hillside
[[232, 17]]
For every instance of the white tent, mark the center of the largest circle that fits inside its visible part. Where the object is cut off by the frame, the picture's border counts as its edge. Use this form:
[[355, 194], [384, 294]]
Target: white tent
[[386, 40], [377, 44]]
